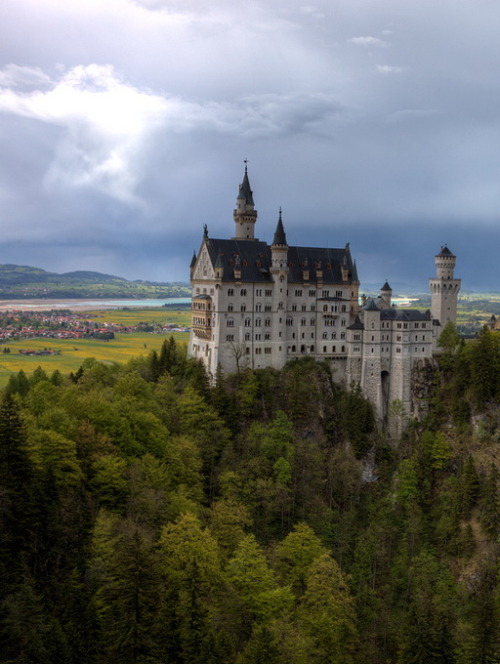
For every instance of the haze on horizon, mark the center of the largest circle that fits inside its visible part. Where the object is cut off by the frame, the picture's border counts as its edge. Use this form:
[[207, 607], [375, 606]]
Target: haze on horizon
[[124, 125]]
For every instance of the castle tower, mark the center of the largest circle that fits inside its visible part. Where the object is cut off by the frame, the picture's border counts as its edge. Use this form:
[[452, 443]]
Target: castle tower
[[279, 273], [386, 294], [244, 214], [444, 288]]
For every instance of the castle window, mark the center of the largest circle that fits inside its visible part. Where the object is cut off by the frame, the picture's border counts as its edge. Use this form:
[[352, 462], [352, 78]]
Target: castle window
[[258, 351], [258, 322], [243, 292], [424, 325], [267, 307], [357, 337], [405, 325], [267, 322], [343, 349], [342, 335], [342, 322], [373, 338], [230, 337], [258, 307], [258, 292], [334, 335], [293, 349], [312, 349], [303, 321], [313, 307], [302, 349], [267, 351], [338, 293], [423, 349], [398, 350], [267, 336], [325, 293], [416, 325], [248, 322], [197, 290], [247, 336], [247, 350], [258, 337], [399, 326], [312, 335], [230, 322], [312, 321], [343, 308], [298, 293], [325, 307], [280, 305], [334, 349], [312, 293], [304, 307], [243, 307], [269, 292], [324, 349], [303, 335], [289, 321], [294, 307], [325, 336]]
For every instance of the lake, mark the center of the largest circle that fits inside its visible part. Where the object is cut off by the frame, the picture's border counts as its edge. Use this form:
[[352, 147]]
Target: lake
[[86, 305]]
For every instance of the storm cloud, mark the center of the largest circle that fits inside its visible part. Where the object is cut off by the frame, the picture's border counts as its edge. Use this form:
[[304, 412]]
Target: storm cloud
[[124, 125]]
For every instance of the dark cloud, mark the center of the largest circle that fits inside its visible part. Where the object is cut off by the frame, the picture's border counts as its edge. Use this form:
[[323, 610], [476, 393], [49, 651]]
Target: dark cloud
[[123, 126]]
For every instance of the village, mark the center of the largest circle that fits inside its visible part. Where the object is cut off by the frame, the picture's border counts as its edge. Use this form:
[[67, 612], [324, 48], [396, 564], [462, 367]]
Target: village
[[65, 324]]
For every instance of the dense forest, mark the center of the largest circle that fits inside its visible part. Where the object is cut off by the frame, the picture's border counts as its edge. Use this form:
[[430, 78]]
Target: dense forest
[[147, 516]]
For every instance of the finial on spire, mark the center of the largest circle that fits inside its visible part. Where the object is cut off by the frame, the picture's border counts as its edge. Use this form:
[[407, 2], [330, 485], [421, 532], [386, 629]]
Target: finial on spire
[[245, 161], [205, 230]]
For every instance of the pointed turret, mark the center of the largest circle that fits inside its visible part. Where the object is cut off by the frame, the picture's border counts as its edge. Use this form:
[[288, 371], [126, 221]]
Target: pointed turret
[[279, 234], [244, 215]]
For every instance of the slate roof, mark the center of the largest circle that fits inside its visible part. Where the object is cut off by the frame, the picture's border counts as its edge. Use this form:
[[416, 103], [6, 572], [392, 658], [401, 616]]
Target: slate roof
[[370, 305], [405, 315], [279, 233], [357, 325], [255, 261], [445, 252], [245, 192], [386, 287]]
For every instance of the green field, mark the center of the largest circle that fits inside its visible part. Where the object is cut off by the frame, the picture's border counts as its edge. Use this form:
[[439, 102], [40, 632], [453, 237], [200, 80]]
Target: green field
[[135, 316], [74, 351]]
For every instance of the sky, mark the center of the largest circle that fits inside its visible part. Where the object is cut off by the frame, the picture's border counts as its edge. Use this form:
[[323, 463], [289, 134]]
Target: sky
[[124, 125]]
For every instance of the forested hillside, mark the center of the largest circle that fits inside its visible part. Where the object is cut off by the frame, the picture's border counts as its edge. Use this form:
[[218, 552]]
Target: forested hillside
[[147, 517]]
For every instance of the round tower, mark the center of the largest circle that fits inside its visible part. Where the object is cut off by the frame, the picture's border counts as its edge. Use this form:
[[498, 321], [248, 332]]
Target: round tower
[[386, 294], [444, 288], [244, 214]]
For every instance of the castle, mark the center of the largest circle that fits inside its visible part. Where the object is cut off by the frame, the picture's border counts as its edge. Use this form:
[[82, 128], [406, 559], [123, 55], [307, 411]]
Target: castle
[[257, 305]]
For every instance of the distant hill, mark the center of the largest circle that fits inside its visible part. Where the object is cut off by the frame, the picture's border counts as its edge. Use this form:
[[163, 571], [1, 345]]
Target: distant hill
[[23, 281]]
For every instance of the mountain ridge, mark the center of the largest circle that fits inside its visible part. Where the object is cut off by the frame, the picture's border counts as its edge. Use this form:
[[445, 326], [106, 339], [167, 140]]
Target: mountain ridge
[[25, 281]]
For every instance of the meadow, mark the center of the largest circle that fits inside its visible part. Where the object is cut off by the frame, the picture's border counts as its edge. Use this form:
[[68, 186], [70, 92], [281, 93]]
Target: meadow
[[74, 351]]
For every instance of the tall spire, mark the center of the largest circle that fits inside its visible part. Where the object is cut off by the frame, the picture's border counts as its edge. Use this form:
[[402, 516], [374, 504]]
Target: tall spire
[[246, 193], [279, 233]]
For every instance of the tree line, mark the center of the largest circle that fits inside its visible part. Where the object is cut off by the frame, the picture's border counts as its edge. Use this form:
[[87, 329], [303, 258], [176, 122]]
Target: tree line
[[149, 516]]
